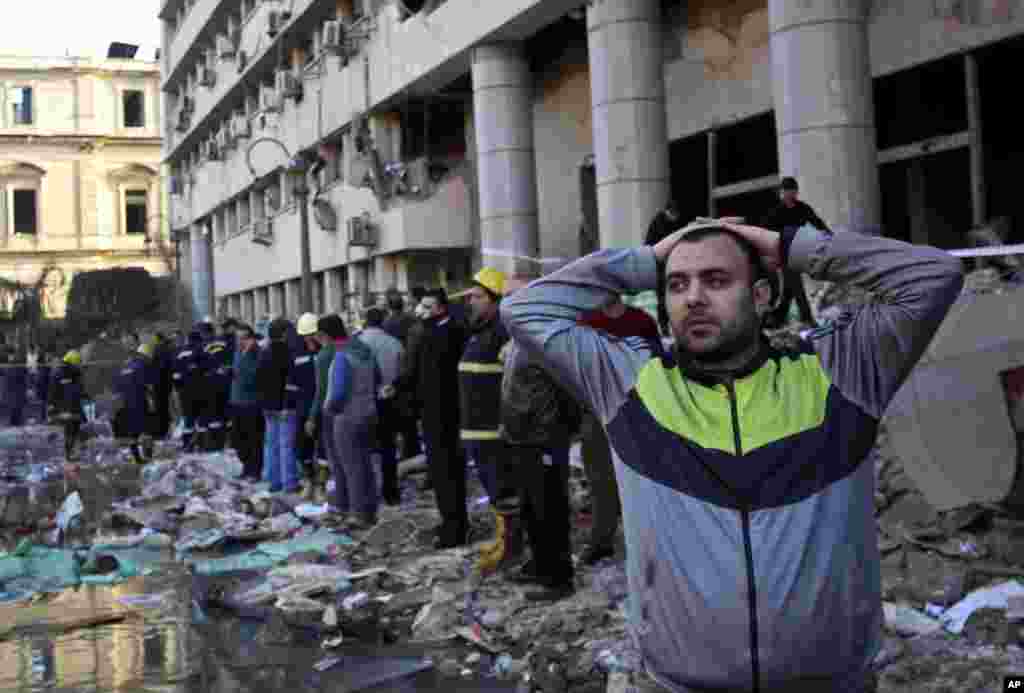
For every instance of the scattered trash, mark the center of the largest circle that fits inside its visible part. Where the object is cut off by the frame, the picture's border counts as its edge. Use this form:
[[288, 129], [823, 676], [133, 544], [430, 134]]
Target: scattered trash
[[308, 511], [70, 511], [906, 620], [354, 601], [327, 663], [994, 597]]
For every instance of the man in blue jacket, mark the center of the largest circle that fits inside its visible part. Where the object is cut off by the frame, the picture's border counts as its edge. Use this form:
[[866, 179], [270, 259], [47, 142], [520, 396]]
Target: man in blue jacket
[[247, 428], [135, 396], [752, 552]]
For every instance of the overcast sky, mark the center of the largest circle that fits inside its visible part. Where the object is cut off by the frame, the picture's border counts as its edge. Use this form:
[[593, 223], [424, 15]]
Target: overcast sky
[[60, 27]]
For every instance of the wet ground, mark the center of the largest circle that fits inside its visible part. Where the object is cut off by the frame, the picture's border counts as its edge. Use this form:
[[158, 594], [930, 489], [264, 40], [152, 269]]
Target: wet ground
[[160, 632]]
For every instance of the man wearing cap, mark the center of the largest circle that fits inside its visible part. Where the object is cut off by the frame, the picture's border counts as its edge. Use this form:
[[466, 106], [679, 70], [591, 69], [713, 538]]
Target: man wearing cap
[[218, 358], [66, 398], [301, 395], [480, 371], [330, 328], [752, 549], [792, 213]]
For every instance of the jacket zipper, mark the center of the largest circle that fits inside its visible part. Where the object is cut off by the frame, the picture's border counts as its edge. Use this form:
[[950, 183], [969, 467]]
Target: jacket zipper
[[755, 665]]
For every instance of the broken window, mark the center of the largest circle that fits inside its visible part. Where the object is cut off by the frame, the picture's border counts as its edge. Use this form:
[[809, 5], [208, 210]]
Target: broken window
[[26, 213], [746, 150], [134, 109], [135, 212], [925, 101], [434, 130], [689, 175], [20, 99], [243, 211], [332, 153]]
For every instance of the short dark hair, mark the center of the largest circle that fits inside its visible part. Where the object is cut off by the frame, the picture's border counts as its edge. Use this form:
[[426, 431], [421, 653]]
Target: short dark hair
[[374, 317], [243, 328], [332, 326], [395, 300], [418, 292], [757, 268], [229, 324], [789, 183], [440, 295]]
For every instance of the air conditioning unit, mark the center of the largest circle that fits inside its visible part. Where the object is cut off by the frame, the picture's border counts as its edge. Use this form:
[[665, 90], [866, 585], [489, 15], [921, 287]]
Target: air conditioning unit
[[225, 47], [207, 76], [361, 233], [184, 121], [276, 19], [269, 100], [240, 128], [334, 36], [289, 86], [263, 232]]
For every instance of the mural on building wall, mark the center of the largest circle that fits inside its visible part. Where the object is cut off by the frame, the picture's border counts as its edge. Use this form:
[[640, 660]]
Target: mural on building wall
[[958, 13], [729, 38], [567, 93], [55, 293]]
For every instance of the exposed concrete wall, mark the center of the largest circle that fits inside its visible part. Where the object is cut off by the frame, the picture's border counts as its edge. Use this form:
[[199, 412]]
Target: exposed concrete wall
[[564, 135]]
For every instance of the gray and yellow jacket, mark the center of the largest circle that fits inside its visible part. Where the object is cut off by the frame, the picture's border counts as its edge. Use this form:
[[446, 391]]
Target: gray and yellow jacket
[[749, 515], [480, 372]]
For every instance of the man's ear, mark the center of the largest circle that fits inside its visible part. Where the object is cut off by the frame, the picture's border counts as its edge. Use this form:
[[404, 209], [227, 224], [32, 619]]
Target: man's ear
[[763, 295]]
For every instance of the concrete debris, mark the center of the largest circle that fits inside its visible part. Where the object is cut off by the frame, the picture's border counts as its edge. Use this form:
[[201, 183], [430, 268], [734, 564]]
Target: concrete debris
[[905, 620]]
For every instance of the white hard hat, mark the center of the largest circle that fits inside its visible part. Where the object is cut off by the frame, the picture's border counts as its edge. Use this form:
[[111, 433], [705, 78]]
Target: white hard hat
[[307, 325]]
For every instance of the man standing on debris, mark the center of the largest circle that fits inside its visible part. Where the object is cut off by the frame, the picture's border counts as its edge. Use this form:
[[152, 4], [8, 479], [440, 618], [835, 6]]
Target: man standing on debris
[[406, 327], [279, 468], [752, 551], [353, 382], [218, 356], [163, 360], [135, 402], [248, 426], [189, 383], [622, 322], [301, 395], [329, 329], [538, 419], [66, 399], [792, 213], [480, 371], [387, 351], [433, 377]]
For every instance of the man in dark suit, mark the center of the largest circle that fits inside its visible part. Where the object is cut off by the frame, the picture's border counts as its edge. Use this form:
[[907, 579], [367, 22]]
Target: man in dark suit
[[792, 213], [433, 377]]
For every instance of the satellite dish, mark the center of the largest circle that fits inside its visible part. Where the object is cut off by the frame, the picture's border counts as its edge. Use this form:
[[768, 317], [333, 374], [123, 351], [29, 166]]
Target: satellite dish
[[325, 215]]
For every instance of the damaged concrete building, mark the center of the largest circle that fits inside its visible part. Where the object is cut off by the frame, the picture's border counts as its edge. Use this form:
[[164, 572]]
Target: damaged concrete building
[[446, 134]]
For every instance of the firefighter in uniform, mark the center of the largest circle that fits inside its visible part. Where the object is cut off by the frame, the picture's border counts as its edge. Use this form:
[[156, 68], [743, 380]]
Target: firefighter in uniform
[[135, 390], [67, 396], [218, 358], [480, 377], [301, 393], [188, 383]]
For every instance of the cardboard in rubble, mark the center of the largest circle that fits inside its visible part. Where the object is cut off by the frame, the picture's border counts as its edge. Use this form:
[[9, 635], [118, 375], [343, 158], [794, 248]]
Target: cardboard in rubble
[[957, 423]]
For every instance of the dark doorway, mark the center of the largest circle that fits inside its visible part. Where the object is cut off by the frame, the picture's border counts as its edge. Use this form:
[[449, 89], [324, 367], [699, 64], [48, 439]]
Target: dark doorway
[[998, 69], [688, 166], [746, 150]]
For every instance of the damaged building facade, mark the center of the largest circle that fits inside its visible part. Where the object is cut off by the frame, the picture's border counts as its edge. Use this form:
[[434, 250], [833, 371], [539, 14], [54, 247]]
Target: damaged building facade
[[447, 134]]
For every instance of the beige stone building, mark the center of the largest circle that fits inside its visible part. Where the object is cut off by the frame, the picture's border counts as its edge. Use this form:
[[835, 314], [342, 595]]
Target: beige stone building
[[80, 183]]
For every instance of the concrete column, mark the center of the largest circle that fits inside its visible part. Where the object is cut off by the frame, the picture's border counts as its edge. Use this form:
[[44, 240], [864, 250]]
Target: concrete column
[[627, 88], [506, 169], [276, 300], [979, 211], [334, 291], [249, 307], [821, 76], [202, 277]]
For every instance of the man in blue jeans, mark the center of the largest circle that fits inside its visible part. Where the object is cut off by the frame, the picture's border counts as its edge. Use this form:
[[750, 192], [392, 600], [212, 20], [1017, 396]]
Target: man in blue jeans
[[279, 468]]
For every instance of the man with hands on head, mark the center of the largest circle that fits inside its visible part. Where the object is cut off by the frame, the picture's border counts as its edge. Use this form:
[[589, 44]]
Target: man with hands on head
[[752, 555]]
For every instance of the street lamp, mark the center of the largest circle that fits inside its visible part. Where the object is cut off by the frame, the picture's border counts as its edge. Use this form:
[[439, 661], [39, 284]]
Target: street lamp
[[295, 170]]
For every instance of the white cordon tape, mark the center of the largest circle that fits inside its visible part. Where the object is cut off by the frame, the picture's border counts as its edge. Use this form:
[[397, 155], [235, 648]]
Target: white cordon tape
[[989, 251], [536, 260]]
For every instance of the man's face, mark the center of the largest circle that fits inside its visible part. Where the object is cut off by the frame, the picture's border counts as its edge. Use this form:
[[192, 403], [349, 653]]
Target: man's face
[[431, 307], [246, 341], [713, 308], [789, 197], [481, 306]]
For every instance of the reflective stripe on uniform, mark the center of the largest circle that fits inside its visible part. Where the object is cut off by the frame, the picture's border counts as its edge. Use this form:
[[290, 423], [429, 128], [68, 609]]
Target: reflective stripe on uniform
[[484, 368], [216, 424], [292, 388], [303, 359], [480, 435]]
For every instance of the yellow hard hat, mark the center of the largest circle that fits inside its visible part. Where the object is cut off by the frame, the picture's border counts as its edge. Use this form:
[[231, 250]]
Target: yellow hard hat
[[147, 349], [491, 279], [73, 358], [307, 325]]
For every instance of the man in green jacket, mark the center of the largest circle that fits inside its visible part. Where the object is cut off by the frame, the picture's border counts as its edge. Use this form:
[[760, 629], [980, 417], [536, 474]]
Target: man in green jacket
[[328, 327], [752, 550]]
